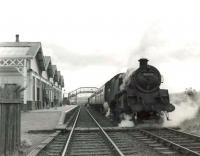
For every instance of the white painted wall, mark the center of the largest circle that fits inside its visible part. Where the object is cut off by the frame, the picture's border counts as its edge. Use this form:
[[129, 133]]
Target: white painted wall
[[51, 80], [34, 65], [11, 78], [44, 74]]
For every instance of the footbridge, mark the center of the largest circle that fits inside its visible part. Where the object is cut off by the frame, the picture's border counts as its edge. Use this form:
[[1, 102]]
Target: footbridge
[[80, 95]]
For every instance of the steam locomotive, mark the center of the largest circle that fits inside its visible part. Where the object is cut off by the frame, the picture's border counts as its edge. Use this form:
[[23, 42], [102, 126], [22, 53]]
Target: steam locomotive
[[137, 94]]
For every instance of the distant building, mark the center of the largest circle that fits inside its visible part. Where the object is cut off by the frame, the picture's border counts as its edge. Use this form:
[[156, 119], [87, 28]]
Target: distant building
[[23, 63]]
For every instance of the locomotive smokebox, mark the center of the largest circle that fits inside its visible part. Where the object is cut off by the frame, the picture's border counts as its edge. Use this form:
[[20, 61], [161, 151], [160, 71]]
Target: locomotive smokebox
[[143, 62]]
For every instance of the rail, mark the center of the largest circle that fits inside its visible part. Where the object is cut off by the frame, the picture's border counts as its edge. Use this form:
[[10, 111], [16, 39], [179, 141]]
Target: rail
[[70, 135], [170, 143], [106, 135], [196, 137]]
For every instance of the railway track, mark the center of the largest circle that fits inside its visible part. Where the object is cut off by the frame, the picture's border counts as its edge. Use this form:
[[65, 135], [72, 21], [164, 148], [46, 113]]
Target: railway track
[[77, 141], [84, 143], [85, 121], [55, 147], [169, 141], [86, 136]]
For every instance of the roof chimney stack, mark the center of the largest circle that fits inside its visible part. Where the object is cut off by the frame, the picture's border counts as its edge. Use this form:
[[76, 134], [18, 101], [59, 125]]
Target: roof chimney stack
[[17, 37]]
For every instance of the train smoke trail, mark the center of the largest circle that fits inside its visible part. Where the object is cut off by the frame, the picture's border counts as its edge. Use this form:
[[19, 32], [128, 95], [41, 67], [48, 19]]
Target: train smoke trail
[[187, 107]]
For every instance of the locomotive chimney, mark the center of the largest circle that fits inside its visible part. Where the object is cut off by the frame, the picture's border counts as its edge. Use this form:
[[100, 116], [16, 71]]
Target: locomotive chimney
[[143, 62], [17, 37]]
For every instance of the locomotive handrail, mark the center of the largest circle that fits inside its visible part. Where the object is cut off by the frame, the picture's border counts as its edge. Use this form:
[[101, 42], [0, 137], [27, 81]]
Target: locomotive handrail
[[119, 152], [70, 135]]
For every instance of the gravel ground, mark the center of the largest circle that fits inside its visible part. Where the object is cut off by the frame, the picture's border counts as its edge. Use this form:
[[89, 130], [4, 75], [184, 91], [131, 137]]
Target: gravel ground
[[46, 119]]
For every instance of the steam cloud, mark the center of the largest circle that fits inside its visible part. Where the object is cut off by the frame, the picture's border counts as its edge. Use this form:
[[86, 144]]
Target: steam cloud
[[106, 109], [126, 122], [126, 78], [187, 107], [126, 118]]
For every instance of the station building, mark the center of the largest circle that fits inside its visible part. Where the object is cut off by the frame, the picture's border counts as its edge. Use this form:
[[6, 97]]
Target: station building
[[23, 64]]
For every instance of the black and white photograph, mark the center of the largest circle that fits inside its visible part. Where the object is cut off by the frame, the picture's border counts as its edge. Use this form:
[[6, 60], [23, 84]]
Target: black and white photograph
[[99, 78]]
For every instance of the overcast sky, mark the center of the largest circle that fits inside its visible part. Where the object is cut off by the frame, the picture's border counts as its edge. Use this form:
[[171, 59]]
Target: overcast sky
[[90, 41]]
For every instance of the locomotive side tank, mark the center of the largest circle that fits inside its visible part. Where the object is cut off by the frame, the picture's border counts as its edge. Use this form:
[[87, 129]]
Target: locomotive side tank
[[139, 95]]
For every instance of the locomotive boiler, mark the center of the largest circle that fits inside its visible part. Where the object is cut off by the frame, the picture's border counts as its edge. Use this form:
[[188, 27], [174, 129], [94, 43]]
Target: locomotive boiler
[[137, 94]]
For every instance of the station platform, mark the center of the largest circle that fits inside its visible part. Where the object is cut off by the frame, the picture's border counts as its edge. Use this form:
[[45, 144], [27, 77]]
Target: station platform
[[39, 121]]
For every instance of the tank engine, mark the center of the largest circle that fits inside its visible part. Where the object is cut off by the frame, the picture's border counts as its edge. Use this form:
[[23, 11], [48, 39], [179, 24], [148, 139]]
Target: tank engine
[[138, 95]]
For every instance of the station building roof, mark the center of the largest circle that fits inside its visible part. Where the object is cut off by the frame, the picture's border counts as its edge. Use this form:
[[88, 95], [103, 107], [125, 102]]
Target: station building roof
[[30, 50], [47, 60], [54, 68], [19, 49], [23, 50], [48, 66], [55, 77], [59, 77], [62, 81]]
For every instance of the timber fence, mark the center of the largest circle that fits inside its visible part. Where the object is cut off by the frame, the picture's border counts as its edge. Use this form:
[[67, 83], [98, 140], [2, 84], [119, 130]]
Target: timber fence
[[10, 120]]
